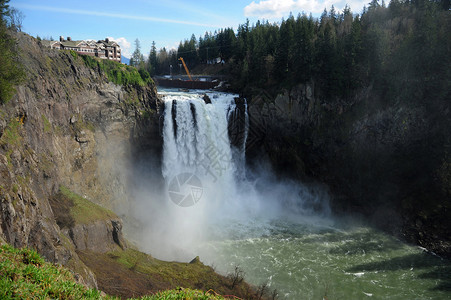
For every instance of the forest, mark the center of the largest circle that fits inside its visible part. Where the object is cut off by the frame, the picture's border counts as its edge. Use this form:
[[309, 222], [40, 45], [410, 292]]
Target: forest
[[391, 48]]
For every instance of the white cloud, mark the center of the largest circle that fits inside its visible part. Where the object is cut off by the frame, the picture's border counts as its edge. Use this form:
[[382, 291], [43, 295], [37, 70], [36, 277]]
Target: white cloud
[[126, 46], [276, 9]]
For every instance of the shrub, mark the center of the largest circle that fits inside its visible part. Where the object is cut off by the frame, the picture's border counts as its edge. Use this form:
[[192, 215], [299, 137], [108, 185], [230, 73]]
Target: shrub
[[236, 277], [117, 72]]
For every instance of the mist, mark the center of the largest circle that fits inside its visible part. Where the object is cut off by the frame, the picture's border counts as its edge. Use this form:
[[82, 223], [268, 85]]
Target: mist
[[202, 191]]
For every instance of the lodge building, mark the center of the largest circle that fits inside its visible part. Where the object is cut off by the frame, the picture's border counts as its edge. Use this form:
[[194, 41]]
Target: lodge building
[[104, 49]]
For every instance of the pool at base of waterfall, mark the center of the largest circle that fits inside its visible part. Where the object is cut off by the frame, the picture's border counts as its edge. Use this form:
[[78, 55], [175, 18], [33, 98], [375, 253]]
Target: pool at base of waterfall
[[312, 261]]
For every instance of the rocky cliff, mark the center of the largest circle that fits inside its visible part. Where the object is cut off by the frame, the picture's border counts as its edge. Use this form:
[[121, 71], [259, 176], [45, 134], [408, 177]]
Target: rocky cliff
[[386, 159], [68, 129]]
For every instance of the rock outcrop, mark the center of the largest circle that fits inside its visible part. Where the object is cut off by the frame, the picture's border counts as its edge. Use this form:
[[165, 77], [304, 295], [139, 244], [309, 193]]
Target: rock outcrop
[[99, 236]]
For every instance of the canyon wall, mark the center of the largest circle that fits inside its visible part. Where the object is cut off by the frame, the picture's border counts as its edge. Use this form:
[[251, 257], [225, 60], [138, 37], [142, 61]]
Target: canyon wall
[[386, 160], [68, 127]]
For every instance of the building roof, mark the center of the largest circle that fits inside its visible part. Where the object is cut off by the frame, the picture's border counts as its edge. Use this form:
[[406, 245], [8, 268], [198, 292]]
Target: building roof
[[92, 43], [109, 43], [71, 43], [48, 43]]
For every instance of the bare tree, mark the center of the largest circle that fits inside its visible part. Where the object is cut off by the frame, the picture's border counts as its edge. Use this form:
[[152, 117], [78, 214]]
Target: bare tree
[[16, 19], [236, 277], [275, 294], [261, 291]]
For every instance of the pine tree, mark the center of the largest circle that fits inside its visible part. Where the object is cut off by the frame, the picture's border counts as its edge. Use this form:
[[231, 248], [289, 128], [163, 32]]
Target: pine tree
[[304, 46], [4, 10], [285, 46], [137, 58], [163, 59], [152, 63]]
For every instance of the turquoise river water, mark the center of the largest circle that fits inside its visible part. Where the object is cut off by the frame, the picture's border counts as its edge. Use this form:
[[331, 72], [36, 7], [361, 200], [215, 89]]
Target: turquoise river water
[[307, 261]]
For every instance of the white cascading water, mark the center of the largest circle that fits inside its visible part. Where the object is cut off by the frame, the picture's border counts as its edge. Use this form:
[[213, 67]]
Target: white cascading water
[[198, 142], [199, 168], [207, 194]]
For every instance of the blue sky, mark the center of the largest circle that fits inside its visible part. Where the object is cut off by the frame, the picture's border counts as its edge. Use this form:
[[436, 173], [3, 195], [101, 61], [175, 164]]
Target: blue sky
[[166, 22]]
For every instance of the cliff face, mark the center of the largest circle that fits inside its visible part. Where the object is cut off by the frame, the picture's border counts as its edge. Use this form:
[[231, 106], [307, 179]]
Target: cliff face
[[67, 126], [386, 160]]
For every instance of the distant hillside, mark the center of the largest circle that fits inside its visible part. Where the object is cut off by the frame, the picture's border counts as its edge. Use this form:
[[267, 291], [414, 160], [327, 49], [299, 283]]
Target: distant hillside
[[125, 60]]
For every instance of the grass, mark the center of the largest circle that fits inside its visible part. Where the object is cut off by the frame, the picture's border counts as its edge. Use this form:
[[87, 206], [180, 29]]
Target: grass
[[11, 135], [130, 273], [84, 211], [25, 275], [70, 208], [168, 271], [182, 294]]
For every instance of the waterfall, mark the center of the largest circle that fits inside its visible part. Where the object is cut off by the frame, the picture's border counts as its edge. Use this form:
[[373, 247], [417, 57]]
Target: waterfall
[[204, 145], [207, 193]]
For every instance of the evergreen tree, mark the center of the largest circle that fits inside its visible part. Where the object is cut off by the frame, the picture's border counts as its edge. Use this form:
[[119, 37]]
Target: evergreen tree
[[11, 72], [188, 50], [152, 62], [304, 44], [163, 59], [353, 75], [328, 62], [4, 11], [374, 4], [333, 15], [137, 59], [284, 54]]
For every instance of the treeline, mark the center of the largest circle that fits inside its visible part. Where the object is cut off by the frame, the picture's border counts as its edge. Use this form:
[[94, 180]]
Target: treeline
[[391, 48]]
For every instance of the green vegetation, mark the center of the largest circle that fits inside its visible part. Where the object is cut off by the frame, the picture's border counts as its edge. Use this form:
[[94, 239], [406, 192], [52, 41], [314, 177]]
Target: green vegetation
[[84, 211], [11, 73], [117, 72], [25, 275], [73, 53], [11, 138], [47, 124], [167, 271], [70, 208], [183, 294], [80, 125], [11, 135], [137, 274], [137, 58]]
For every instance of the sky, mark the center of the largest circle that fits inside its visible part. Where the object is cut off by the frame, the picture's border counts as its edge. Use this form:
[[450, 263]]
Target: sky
[[167, 22]]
